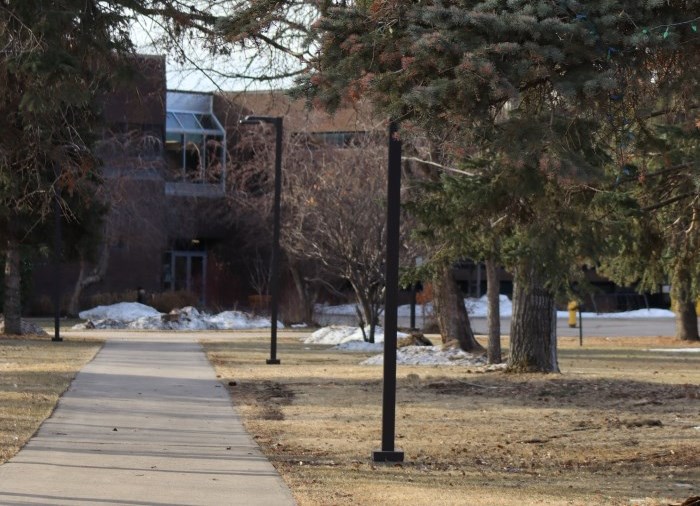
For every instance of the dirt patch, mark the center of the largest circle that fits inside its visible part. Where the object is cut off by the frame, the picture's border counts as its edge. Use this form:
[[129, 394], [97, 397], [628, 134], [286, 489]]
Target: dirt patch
[[620, 426], [266, 397]]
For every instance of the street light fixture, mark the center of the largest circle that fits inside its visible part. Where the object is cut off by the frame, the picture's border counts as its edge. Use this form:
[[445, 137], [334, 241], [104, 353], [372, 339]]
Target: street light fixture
[[274, 271], [388, 453]]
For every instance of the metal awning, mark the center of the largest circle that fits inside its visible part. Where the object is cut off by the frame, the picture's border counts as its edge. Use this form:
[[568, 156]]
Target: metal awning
[[190, 118], [192, 123], [191, 113]]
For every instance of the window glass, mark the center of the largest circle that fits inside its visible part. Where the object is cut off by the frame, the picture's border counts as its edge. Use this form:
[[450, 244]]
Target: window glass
[[194, 140], [193, 155], [188, 121], [173, 153], [207, 122], [171, 123]]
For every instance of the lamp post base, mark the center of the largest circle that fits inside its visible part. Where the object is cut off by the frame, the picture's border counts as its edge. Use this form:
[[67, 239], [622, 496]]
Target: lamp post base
[[57, 339], [273, 361], [386, 456]]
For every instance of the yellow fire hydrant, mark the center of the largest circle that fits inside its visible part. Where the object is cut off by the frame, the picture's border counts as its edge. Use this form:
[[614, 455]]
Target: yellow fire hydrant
[[573, 309]]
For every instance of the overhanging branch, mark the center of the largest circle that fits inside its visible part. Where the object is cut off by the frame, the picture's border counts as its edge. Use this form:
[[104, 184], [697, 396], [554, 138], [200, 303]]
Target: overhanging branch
[[437, 165]]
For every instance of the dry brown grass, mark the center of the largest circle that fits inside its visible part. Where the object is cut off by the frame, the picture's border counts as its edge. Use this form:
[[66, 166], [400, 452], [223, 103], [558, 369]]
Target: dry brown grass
[[619, 426], [33, 375]]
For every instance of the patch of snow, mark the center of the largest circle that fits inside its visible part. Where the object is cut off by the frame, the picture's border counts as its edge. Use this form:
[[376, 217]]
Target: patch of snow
[[478, 308], [339, 334], [26, 327], [676, 350], [102, 324], [639, 313], [342, 309], [133, 315], [360, 347], [230, 320], [430, 355], [335, 334], [122, 311], [143, 323]]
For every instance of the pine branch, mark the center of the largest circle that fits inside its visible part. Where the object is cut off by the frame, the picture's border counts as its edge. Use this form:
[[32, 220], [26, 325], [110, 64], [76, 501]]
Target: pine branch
[[670, 201], [437, 165], [663, 112]]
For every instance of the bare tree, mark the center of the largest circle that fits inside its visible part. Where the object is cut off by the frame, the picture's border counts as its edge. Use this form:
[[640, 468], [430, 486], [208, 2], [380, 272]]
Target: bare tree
[[333, 212], [259, 274], [335, 200]]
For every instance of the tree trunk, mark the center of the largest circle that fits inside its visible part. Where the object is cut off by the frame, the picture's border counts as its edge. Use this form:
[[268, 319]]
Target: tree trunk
[[452, 316], [686, 321], [306, 297], [367, 316], [12, 306], [494, 313], [684, 302], [533, 345], [85, 280]]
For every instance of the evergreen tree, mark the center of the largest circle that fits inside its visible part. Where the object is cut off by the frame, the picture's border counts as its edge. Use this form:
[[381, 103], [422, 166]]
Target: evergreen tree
[[652, 124], [57, 58], [658, 197], [502, 80]]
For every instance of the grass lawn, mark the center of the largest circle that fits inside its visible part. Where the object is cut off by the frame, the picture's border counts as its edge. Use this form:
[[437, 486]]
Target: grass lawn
[[620, 426], [33, 375]]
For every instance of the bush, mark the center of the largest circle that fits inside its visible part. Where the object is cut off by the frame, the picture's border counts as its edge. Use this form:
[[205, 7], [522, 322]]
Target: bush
[[109, 298], [43, 306], [167, 301], [259, 303]]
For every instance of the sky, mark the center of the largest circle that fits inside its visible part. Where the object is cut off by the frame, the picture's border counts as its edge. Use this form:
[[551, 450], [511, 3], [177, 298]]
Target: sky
[[200, 71]]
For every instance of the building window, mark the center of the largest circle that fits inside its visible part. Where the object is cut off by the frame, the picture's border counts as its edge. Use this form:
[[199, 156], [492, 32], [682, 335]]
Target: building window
[[194, 140]]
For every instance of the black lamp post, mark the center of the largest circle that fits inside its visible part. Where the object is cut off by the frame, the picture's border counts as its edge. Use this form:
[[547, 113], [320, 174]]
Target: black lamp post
[[274, 271], [393, 218]]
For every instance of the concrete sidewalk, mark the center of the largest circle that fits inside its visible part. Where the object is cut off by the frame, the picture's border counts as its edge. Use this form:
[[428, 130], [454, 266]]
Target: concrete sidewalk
[[145, 423]]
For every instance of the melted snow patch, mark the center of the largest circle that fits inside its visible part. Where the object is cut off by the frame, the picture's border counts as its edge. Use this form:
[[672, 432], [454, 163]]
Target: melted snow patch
[[122, 311], [132, 315], [339, 334], [237, 320], [430, 355], [360, 347], [638, 313], [335, 334], [479, 308]]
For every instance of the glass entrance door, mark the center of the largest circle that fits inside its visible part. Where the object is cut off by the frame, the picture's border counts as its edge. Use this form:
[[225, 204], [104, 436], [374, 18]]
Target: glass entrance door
[[188, 271]]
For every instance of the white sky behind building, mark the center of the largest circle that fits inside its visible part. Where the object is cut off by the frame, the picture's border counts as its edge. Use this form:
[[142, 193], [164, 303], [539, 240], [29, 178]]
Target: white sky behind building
[[196, 69]]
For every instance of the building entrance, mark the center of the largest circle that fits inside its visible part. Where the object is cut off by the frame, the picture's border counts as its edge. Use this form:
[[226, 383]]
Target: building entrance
[[188, 271]]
